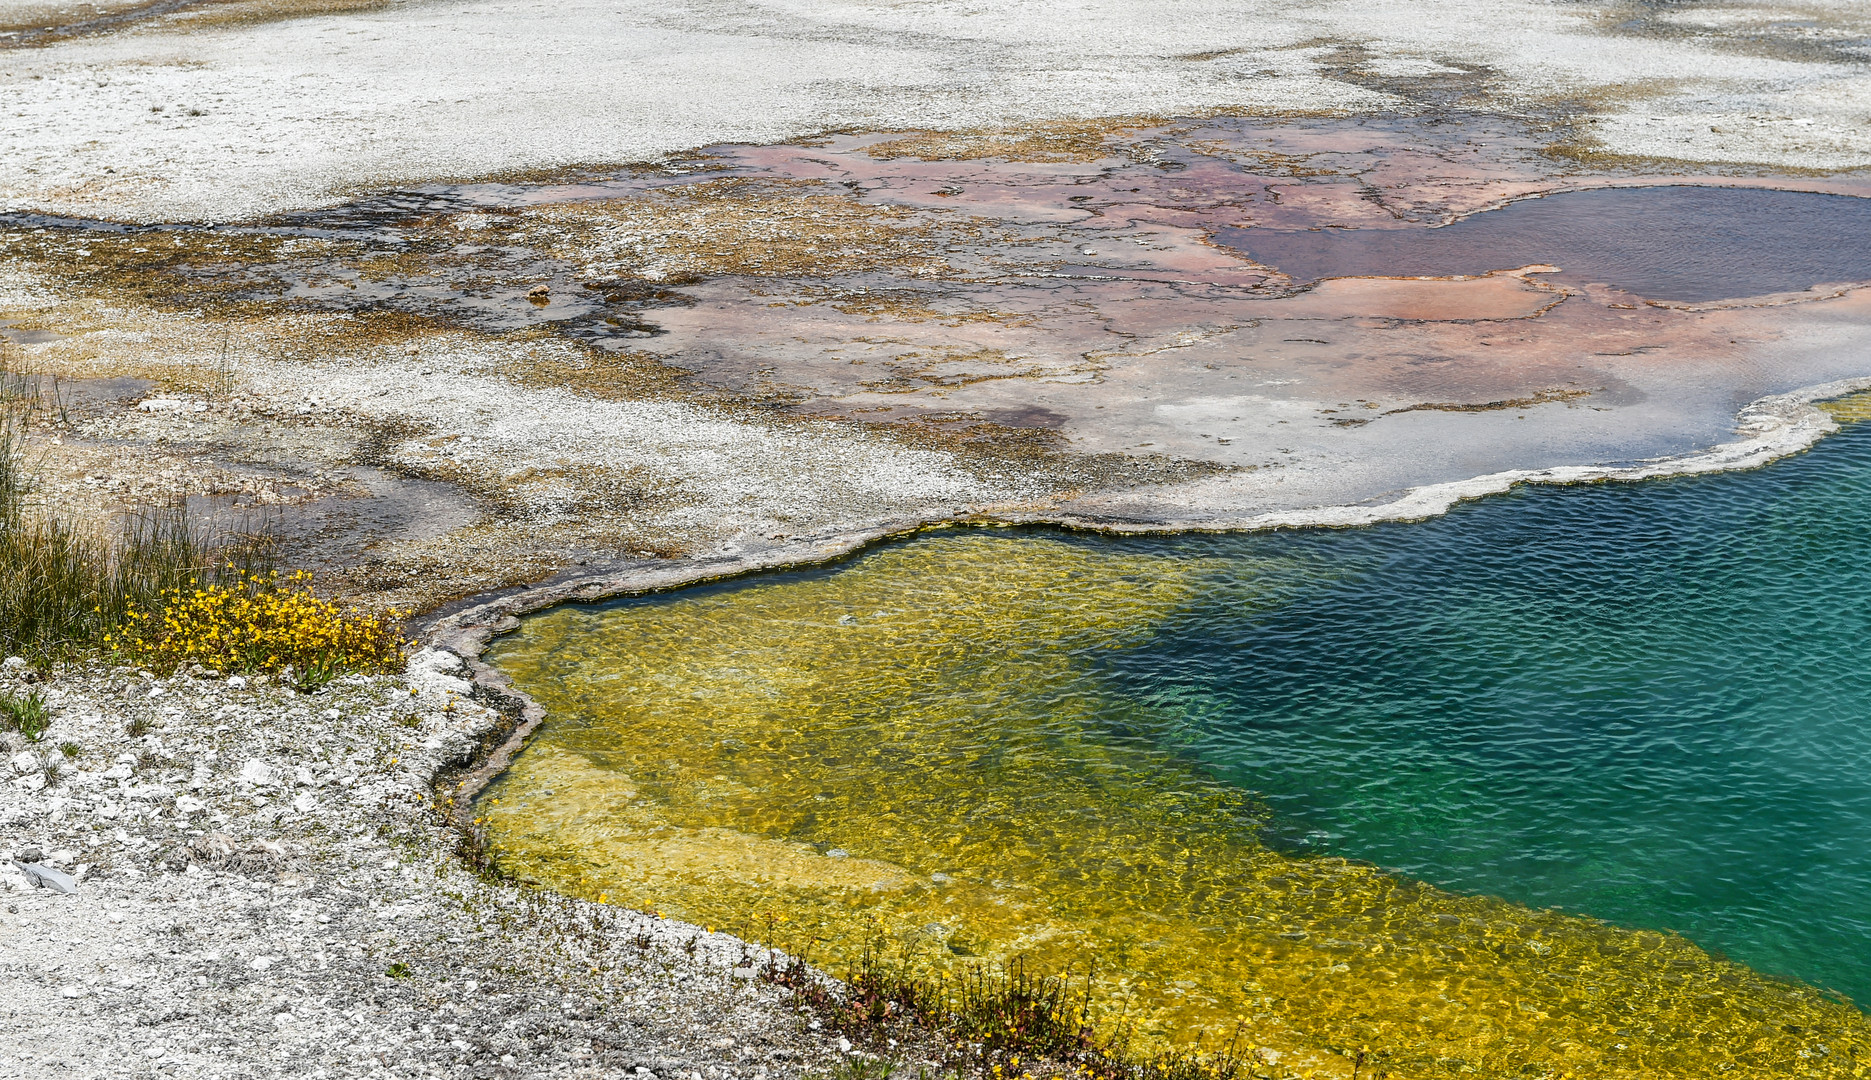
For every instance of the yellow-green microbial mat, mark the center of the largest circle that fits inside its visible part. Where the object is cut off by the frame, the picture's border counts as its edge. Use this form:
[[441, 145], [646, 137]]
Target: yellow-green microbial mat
[[981, 746]]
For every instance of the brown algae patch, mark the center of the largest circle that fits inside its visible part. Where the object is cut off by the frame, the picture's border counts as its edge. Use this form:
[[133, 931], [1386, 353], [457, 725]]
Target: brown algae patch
[[1060, 141], [920, 745], [739, 226]]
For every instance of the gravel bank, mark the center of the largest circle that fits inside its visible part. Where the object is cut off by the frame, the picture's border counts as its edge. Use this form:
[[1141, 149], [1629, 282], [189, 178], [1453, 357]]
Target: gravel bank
[[264, 890]]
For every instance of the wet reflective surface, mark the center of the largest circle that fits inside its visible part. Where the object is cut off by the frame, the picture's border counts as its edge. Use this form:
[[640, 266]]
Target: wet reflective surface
[[1635, 703], [1683, 243]]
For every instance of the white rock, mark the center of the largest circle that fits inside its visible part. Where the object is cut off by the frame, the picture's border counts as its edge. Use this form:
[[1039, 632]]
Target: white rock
[[185, 804], [303, 777], [118, 772], [13, 663], [261, 963], [24, 761], [257, 773], [237, 682], [30, 782], [305, 803], [71, 992], [148, 791]]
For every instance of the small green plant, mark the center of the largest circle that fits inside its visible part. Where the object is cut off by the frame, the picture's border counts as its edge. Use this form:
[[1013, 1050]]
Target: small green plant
[[137, 727], [26, 715], [864, 1067], [70, 749], [399, 970]]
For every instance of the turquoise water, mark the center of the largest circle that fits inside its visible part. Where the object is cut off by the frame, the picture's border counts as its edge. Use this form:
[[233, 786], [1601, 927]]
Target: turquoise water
[[1641, 703], [1648, 703]]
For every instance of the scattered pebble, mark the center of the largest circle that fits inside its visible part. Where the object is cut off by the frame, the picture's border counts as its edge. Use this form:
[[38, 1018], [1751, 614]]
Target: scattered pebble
[[230, 918]]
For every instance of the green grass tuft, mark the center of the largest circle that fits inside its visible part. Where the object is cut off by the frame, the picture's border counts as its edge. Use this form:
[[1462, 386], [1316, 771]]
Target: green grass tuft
[[63, 587], [25, 714]]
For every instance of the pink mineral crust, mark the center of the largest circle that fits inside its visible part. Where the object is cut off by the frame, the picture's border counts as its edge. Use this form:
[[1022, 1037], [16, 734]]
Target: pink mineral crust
[[1092, 299]]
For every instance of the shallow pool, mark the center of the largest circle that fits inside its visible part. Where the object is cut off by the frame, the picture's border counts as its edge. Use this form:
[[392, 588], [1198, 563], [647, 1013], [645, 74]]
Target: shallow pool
[[1683, 242], [1326, 783]]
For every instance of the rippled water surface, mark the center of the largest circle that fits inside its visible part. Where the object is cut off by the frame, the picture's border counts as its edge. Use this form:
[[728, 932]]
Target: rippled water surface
[[1645, 704], [1682, 243]]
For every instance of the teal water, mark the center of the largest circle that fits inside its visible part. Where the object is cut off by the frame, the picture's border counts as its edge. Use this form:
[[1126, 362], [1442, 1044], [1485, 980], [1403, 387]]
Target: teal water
[[1640, 703], [1648, 703]]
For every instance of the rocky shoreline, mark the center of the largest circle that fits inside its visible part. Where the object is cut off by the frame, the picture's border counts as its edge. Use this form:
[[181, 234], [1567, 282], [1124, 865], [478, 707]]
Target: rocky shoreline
[[264, 889]]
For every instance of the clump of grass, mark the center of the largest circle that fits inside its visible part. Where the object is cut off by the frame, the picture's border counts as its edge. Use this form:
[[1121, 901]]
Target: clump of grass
[[62, 587], [25, 714], [259, 622]]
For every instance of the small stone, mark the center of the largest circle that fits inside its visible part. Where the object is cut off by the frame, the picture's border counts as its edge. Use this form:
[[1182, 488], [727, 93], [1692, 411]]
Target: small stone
[[261, 963], [186, 804], [838, 853], [71, 992], [30, 853], [256, 772], [305, 803], [13, 663], [45, 876], [24, 761], [237, 682]]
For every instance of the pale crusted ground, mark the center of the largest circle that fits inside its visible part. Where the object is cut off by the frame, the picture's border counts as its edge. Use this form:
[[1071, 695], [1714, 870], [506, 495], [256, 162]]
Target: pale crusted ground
[[253, 863], [226, 111]]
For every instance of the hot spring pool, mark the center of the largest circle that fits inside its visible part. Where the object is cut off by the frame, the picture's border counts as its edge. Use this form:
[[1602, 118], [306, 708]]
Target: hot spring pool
[[1498, 790]]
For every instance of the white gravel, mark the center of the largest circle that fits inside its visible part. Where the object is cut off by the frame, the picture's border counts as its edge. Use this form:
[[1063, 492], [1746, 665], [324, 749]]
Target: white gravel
[[253, 867]]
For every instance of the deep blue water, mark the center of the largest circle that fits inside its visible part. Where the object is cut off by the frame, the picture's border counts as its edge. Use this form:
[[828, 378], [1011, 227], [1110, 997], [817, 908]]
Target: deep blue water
[[1649, 703]]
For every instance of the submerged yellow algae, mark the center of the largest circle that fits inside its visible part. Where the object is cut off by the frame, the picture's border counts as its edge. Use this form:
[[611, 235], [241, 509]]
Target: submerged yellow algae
[[925, 742], [1849, 409]]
